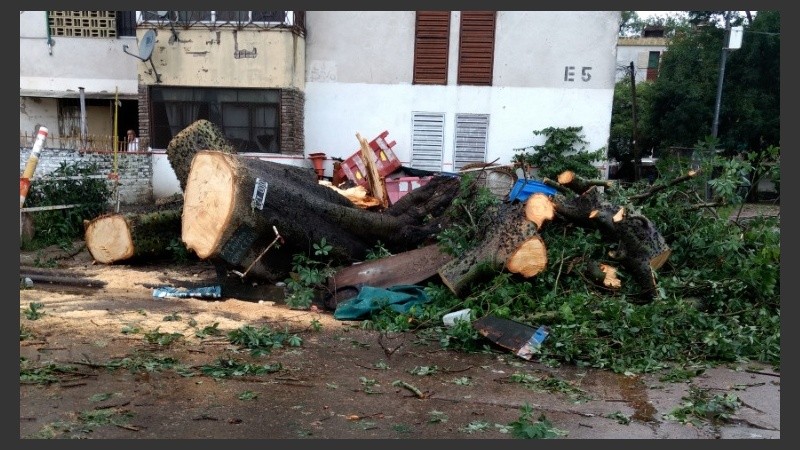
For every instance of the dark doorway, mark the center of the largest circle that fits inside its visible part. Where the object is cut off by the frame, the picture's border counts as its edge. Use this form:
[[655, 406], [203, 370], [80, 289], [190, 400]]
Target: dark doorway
[[128, 117]]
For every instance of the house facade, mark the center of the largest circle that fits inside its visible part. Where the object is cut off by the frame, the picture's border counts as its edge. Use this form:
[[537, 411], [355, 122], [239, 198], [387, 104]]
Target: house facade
[[450, 87], [644, 52], [64, 52], [455, 87]]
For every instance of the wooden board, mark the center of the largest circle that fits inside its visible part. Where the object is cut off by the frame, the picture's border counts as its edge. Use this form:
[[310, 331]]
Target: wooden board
[[409, 267]]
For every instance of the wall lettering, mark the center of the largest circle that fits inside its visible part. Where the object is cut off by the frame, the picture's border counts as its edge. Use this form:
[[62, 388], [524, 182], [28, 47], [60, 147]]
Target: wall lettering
[[569, 73]]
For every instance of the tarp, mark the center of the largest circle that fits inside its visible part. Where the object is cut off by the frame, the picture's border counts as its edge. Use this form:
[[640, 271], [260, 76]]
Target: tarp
[[400, 298]]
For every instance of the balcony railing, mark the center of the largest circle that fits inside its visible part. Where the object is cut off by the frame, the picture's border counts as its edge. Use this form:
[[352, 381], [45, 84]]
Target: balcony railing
[[212, 20], [94, 143]]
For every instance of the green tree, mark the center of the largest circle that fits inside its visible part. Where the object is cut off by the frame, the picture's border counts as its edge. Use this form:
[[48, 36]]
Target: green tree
[[633, 25], [620, 141], [750, 110], [681, 110]]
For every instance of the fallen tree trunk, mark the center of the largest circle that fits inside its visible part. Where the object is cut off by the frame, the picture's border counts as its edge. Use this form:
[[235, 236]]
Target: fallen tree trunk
[[231, 203], [200, 135], [116, 237]]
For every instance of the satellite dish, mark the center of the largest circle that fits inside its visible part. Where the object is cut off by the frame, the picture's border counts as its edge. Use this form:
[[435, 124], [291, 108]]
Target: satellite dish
[[147, 45]]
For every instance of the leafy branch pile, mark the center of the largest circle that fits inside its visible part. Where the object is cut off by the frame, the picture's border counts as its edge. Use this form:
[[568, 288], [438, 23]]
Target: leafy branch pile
[[718, 296]]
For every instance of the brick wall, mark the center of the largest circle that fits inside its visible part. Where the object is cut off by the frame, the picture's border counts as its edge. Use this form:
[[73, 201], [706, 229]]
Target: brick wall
[[144, 114], [292, 116], [135, 170]]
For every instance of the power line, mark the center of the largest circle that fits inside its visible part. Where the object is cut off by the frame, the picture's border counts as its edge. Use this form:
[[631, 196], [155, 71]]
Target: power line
[[762, 32]]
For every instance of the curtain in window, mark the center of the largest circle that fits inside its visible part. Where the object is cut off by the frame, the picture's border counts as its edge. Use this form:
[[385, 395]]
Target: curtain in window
[[180, 115]]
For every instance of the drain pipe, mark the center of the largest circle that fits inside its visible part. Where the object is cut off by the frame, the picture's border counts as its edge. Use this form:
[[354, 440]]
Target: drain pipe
[[49, 37], [83, 119]]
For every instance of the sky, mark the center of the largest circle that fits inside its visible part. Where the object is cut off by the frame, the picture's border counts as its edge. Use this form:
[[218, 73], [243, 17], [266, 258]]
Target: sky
[[646, 14]]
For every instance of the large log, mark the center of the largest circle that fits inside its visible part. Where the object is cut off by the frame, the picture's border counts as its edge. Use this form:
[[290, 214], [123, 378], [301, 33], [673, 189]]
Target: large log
[[231, 203], [511, 243], [117, 237]]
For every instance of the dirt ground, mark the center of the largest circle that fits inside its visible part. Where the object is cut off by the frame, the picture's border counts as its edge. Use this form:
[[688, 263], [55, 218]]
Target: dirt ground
[[97, 365]]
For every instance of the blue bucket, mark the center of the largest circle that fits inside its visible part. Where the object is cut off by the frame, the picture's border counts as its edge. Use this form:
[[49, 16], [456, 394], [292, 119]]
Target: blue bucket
[[525, 188]]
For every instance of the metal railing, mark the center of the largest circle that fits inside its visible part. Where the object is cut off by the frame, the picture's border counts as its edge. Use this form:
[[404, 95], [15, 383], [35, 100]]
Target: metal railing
[[95, 143], [212, 20]]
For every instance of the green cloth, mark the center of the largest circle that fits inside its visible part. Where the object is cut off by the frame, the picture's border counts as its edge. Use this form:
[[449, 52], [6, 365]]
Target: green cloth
[[400, 298]]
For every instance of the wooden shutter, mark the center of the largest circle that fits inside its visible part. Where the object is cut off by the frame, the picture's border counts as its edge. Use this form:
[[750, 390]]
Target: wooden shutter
[[427, 140], [476, 48], [472, 132], [642, 59], [431, 44]]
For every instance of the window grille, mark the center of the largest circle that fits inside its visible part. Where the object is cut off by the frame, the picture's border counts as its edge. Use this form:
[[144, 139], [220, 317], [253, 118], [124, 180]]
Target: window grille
[[102, 24]]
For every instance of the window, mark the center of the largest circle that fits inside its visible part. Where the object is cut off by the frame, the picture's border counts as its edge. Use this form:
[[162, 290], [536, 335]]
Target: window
[[126, 23], [427, 140], [472, 132], [431, 46], [249, 117], [476, 48], [652, 65]]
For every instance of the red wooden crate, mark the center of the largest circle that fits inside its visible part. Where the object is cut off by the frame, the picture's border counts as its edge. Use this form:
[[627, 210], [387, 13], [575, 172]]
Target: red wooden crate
[[354, 168]]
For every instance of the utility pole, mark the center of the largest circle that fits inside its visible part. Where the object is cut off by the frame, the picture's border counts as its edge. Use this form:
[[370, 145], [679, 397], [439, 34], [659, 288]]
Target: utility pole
[[722, 61], [733, 41], [637, 157]]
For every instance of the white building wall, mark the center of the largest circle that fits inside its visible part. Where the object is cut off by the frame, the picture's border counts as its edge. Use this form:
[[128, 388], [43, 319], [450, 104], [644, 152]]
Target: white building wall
[[357, 82]]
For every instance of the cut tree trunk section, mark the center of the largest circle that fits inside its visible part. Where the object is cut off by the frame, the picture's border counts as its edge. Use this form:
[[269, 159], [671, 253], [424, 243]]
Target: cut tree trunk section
[[116, 237]]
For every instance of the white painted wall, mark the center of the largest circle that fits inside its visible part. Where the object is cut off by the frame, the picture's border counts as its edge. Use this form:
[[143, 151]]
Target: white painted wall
[[356, 82], [514, 114]]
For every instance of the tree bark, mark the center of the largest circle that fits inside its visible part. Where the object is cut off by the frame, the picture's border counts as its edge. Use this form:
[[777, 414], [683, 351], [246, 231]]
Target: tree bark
[[231, 203], [112, 238], [200, 135], [578, 184], [511, 243]]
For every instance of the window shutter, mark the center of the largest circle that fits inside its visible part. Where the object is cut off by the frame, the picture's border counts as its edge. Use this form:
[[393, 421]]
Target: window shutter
[[431, 44], [472, 133], [476, 48], [642, 59], [427, 140]]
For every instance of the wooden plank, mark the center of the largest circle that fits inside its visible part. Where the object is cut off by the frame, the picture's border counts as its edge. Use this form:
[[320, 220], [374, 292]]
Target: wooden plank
[[374, 180], [409, 267]]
